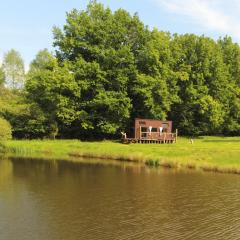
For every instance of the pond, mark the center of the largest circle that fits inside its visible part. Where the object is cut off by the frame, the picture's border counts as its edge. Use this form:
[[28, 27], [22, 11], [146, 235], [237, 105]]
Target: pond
[[41, 200]]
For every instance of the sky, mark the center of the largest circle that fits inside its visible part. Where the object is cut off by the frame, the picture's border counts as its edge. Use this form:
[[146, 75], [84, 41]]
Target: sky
[[26, 25]]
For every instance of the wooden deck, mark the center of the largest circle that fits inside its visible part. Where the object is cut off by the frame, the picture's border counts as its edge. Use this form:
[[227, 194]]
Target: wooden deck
[[169, 138], [146, 141]]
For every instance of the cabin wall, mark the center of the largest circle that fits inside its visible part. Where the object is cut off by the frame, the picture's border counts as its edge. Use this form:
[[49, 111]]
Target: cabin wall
[[144, 124]]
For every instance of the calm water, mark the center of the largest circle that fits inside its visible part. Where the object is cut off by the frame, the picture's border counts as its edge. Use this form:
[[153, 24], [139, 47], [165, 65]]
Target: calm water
[[62, 200]]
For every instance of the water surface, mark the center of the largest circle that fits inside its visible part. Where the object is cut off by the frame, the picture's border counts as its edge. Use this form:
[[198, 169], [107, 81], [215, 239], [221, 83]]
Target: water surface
[[63, 200]]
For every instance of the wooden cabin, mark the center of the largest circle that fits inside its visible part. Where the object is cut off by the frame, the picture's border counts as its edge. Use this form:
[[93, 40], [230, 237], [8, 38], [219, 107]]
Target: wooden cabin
[[152, 131]]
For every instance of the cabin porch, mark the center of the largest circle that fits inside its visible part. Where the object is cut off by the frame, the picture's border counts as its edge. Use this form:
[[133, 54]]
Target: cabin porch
[[150, 131]]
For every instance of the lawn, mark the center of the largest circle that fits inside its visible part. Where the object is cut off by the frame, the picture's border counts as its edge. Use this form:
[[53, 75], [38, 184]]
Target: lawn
[[220, 154]]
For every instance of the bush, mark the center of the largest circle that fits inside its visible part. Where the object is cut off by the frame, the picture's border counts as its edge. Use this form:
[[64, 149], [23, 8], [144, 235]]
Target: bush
[[153, 163], [5, 129]]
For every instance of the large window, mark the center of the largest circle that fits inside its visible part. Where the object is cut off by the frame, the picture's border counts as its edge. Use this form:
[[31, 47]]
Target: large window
[[154, 130], [165, 127], [144, 131]]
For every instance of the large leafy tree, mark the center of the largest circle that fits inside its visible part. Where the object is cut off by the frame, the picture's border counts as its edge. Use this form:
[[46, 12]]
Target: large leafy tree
[[154, 90], [231, 58], [101, 48], [52, 93], [202, 81]]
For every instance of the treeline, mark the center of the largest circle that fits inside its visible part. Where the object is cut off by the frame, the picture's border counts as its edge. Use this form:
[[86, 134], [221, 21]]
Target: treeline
[[110, 68]]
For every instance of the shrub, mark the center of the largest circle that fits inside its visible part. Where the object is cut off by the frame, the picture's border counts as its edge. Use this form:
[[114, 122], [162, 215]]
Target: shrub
[[5, 129], [153, 163]]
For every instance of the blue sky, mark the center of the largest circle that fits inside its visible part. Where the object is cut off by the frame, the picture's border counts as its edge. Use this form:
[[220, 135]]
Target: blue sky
[[26, 25]]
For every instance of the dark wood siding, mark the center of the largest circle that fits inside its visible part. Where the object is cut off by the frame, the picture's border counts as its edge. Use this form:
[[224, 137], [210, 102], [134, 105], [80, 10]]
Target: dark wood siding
[[151, 129]]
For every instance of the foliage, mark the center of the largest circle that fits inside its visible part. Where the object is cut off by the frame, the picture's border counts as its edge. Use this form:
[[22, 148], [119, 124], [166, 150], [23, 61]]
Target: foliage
[[5, 130], [52, 90], [120, 67], [191, 80], [110, 68], [12, 108]]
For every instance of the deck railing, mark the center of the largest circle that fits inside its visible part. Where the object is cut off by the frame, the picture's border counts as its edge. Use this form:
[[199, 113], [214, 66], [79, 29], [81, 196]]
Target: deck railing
[[157, 135], [153, 137]]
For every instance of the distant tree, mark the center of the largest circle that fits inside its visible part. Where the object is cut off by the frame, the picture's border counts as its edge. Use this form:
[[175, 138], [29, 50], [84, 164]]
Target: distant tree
[[43, 60], [2, 76], [13, 67]]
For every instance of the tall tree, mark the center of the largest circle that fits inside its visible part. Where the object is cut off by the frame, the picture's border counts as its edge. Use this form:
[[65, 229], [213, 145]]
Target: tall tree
[[154, 90], [101, 47], [13, 67], [2, 76], [231, 58], [202, 81], [52, 93]]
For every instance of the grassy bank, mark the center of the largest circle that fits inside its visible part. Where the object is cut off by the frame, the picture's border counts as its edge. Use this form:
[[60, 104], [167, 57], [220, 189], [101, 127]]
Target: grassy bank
[[206, 153]]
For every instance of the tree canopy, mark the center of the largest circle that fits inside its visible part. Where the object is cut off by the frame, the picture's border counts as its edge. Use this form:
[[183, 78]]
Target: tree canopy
[[109, 68]]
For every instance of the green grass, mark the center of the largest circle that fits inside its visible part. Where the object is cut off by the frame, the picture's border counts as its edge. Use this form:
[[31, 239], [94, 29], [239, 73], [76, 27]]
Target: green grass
[[221, 154]]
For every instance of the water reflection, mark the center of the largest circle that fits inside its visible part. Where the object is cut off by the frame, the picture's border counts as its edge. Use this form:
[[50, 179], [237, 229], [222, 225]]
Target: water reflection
[[6, 170], [66, 200]]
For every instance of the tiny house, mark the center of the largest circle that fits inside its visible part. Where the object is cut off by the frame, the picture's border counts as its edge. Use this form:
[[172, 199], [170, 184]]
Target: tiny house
[[152, 131]]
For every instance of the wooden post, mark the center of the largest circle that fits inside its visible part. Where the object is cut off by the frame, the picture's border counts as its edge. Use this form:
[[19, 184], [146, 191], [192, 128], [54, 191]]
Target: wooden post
[[176, 136], [164, 138], [140, 130]]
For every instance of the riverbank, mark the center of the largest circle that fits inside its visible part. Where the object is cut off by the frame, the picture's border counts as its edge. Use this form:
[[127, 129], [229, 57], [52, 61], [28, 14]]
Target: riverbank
[[219, 154]]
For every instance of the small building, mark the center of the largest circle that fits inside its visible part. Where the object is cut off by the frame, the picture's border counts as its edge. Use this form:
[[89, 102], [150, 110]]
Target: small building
[[152, 131]]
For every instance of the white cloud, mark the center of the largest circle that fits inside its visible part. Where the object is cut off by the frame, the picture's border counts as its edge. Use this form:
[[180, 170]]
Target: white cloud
[[210, 14]]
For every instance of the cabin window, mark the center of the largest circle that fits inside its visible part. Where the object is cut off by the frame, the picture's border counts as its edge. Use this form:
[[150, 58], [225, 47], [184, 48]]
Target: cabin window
[[144, 131], [154, 129], [165, 127]]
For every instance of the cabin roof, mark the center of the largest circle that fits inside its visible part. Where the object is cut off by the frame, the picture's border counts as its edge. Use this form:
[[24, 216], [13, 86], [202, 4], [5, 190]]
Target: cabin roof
[[147, 119]]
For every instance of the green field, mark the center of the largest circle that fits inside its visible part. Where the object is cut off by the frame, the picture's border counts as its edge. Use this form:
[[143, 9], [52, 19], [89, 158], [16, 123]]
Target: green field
[[221, 154]]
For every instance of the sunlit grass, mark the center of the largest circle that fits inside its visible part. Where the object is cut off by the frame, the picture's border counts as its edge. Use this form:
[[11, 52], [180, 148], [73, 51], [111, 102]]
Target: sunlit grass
[[220, 154]]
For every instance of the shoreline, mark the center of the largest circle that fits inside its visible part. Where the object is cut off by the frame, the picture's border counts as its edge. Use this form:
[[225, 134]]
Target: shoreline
[[215, 154]]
